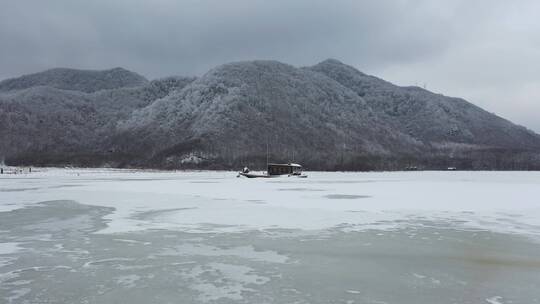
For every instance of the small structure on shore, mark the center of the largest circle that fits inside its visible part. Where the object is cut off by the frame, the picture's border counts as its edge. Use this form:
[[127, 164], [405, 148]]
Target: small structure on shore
[[14, 170]]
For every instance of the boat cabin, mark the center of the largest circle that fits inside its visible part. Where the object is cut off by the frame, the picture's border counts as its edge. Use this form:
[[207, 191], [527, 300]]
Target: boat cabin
[[284, 169]]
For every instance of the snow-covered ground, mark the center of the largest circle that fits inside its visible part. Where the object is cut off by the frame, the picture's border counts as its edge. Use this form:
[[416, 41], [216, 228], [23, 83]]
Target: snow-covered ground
[[219, 201], [118, 236]]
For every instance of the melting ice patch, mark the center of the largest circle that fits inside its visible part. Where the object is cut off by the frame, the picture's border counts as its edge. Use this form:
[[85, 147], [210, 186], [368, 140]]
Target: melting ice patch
[[5, 261], [127, 281], [16, 294], [105, 262], [495, 300], [245, 252], [345, 196], [216, 281], [9, 248]]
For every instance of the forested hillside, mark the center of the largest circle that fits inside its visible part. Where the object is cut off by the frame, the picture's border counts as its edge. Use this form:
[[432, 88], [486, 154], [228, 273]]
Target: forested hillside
[[328, 117]]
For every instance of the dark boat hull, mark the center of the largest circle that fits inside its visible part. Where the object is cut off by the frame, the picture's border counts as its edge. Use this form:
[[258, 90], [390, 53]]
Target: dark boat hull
[[251, 175]]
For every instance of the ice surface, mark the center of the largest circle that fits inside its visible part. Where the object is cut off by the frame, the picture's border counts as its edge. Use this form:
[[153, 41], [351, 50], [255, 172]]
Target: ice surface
[[127, 236], [220, 202], [127, 281], [9, 248], [246, 252], [495, 300], [16, 294], [226, 281]]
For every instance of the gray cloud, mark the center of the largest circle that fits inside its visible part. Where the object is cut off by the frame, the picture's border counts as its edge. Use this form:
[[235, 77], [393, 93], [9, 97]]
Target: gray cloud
[[485, 51]]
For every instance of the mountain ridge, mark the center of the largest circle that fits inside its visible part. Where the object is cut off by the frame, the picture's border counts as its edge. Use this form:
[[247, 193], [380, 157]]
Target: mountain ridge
[[75, 79], [426, 103], [328, 116]]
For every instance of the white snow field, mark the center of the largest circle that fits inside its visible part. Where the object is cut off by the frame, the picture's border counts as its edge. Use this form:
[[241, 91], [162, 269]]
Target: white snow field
[[218, 201], [105, 236]]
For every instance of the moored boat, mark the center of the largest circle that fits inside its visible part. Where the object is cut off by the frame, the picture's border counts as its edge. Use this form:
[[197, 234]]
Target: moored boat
[[275, 170]]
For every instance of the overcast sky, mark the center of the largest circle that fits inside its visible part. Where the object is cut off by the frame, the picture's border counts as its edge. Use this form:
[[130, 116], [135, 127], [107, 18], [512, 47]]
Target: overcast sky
[[485, 51]]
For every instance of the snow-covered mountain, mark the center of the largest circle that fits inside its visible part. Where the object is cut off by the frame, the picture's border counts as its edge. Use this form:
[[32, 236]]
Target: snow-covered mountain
[[48, 125], [76, 80], [430, 117], [329, 116], [235, 109]]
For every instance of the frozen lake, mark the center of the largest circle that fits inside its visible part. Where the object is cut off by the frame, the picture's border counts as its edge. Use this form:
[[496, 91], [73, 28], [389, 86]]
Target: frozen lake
[[122, 236]]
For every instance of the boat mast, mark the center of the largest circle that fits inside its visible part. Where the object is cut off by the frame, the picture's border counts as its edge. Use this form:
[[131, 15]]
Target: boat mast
[[267, 154]]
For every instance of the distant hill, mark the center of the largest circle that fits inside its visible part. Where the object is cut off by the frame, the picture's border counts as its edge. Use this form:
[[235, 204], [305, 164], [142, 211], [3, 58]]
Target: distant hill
[[429, 117], [329, 117], [235, 109], [47, 125], [87, 81]]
